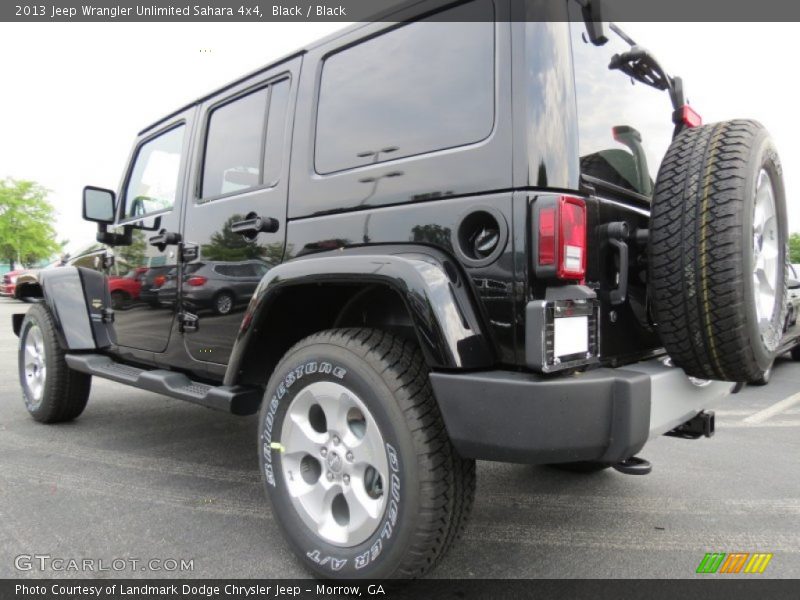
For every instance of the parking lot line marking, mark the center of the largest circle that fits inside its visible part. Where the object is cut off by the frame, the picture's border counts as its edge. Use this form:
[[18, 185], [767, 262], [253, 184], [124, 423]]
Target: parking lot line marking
[[773, 410], [743, 425]]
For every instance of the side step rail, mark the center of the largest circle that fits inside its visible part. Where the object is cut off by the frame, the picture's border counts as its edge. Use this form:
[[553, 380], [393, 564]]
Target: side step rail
[[239, 400]]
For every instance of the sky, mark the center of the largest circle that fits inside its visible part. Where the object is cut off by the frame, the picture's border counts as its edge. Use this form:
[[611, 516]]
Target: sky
[[74, 95]]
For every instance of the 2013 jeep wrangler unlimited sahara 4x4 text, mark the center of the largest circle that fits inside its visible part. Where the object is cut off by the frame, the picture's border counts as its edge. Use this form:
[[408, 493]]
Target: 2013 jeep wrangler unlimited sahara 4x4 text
[[420, 243]]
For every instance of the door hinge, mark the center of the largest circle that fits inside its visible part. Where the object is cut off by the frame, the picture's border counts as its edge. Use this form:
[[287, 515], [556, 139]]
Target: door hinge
[[188, 322], [188, 252]]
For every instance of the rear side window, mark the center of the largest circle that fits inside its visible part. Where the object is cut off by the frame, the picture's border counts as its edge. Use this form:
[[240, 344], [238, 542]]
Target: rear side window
[[233, 145], [422, 87], [624, 128], [244, 142]]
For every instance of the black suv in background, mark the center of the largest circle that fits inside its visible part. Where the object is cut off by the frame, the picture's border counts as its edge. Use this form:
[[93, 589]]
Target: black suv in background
[[453, 245]]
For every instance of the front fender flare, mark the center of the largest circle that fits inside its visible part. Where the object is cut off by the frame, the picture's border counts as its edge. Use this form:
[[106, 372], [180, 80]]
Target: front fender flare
[[438, 299], [76, 297]]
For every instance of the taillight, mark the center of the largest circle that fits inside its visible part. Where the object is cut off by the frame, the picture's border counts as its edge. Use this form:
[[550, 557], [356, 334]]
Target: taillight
[[196, 281], [560, 237], [159, 280], [572, 245], [547, 236], [690, 117]]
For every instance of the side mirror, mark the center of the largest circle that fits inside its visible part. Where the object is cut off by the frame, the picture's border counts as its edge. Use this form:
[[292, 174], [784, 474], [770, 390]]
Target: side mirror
[[98, 205], [593, 19], [792, 284]]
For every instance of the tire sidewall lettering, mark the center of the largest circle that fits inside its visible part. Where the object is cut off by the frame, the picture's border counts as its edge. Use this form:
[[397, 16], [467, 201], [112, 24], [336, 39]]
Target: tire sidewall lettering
[[292, 376], [354, 560]]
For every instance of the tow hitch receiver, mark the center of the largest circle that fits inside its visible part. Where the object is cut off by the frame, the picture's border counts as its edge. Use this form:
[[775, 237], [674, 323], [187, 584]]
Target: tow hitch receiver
[[698, 426], [633, 466]]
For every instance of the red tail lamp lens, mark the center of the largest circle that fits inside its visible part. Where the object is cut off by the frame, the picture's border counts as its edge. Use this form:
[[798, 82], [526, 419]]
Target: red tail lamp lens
[[572, 247], [547, 236], [561, 238]]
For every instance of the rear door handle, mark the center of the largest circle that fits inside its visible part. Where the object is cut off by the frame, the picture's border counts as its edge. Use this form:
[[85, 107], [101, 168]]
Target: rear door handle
[[254, 224]]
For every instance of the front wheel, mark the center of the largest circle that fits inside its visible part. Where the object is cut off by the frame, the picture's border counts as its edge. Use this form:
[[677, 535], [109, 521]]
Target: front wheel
[[120, 300], [52, 391], [356, 460]]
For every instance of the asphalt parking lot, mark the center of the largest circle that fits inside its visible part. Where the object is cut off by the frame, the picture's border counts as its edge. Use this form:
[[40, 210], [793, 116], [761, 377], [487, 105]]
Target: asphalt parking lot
[[143, 476]]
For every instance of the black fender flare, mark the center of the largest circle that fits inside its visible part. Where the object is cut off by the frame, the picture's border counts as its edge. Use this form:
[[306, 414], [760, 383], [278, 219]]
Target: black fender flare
[[435, 292], [79, 301]]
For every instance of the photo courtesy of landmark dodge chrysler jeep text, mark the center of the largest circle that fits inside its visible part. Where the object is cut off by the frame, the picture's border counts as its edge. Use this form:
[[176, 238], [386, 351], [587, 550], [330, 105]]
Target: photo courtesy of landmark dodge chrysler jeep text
[[460, 235]]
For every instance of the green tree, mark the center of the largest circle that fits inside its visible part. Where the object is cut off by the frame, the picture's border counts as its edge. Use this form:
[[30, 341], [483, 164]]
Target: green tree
[[26, 231], [229, 246], [135, 254], [794, 248]]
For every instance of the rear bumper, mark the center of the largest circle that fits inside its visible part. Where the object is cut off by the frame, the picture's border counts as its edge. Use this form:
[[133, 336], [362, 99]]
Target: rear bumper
[[603, 415]]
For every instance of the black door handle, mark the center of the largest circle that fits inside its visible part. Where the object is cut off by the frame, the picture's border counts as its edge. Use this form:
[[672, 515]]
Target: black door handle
[[165, 238], [253, 225]]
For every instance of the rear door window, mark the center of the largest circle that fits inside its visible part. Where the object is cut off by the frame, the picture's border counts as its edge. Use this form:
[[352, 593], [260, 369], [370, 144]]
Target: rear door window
[[234, 147], [244, 142]]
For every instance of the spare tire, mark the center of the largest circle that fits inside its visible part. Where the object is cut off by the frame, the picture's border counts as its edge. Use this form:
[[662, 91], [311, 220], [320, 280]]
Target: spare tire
[[717, 251]]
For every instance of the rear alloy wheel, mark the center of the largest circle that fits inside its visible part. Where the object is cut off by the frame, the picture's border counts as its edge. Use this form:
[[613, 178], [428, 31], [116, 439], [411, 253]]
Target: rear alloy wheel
[[717, 252], [341, 493], [355, 458], [223, 303], [52, 391]]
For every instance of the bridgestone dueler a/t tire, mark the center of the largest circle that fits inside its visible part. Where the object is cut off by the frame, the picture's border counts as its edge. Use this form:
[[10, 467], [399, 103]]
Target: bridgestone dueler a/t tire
[[701, 251], [432, 488], [65, 391]]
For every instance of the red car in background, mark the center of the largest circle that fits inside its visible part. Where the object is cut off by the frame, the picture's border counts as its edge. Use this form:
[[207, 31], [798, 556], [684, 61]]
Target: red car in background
[[10, 282], [126, 289]]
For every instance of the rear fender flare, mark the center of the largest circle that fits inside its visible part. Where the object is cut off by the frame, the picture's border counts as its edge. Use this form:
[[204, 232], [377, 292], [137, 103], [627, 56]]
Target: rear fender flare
[[436, 295]]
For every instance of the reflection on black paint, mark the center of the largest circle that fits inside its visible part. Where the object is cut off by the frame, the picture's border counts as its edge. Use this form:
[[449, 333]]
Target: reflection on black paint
[[433, 234], [225, 245]]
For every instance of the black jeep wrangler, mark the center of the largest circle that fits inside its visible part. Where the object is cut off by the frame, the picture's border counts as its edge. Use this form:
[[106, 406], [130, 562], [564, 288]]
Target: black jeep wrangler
[[434, 239]]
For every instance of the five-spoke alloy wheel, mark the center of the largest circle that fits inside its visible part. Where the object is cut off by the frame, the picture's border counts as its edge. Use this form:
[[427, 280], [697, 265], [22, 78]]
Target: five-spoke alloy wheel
[[356, 461], [332, 440], [52, 391]]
